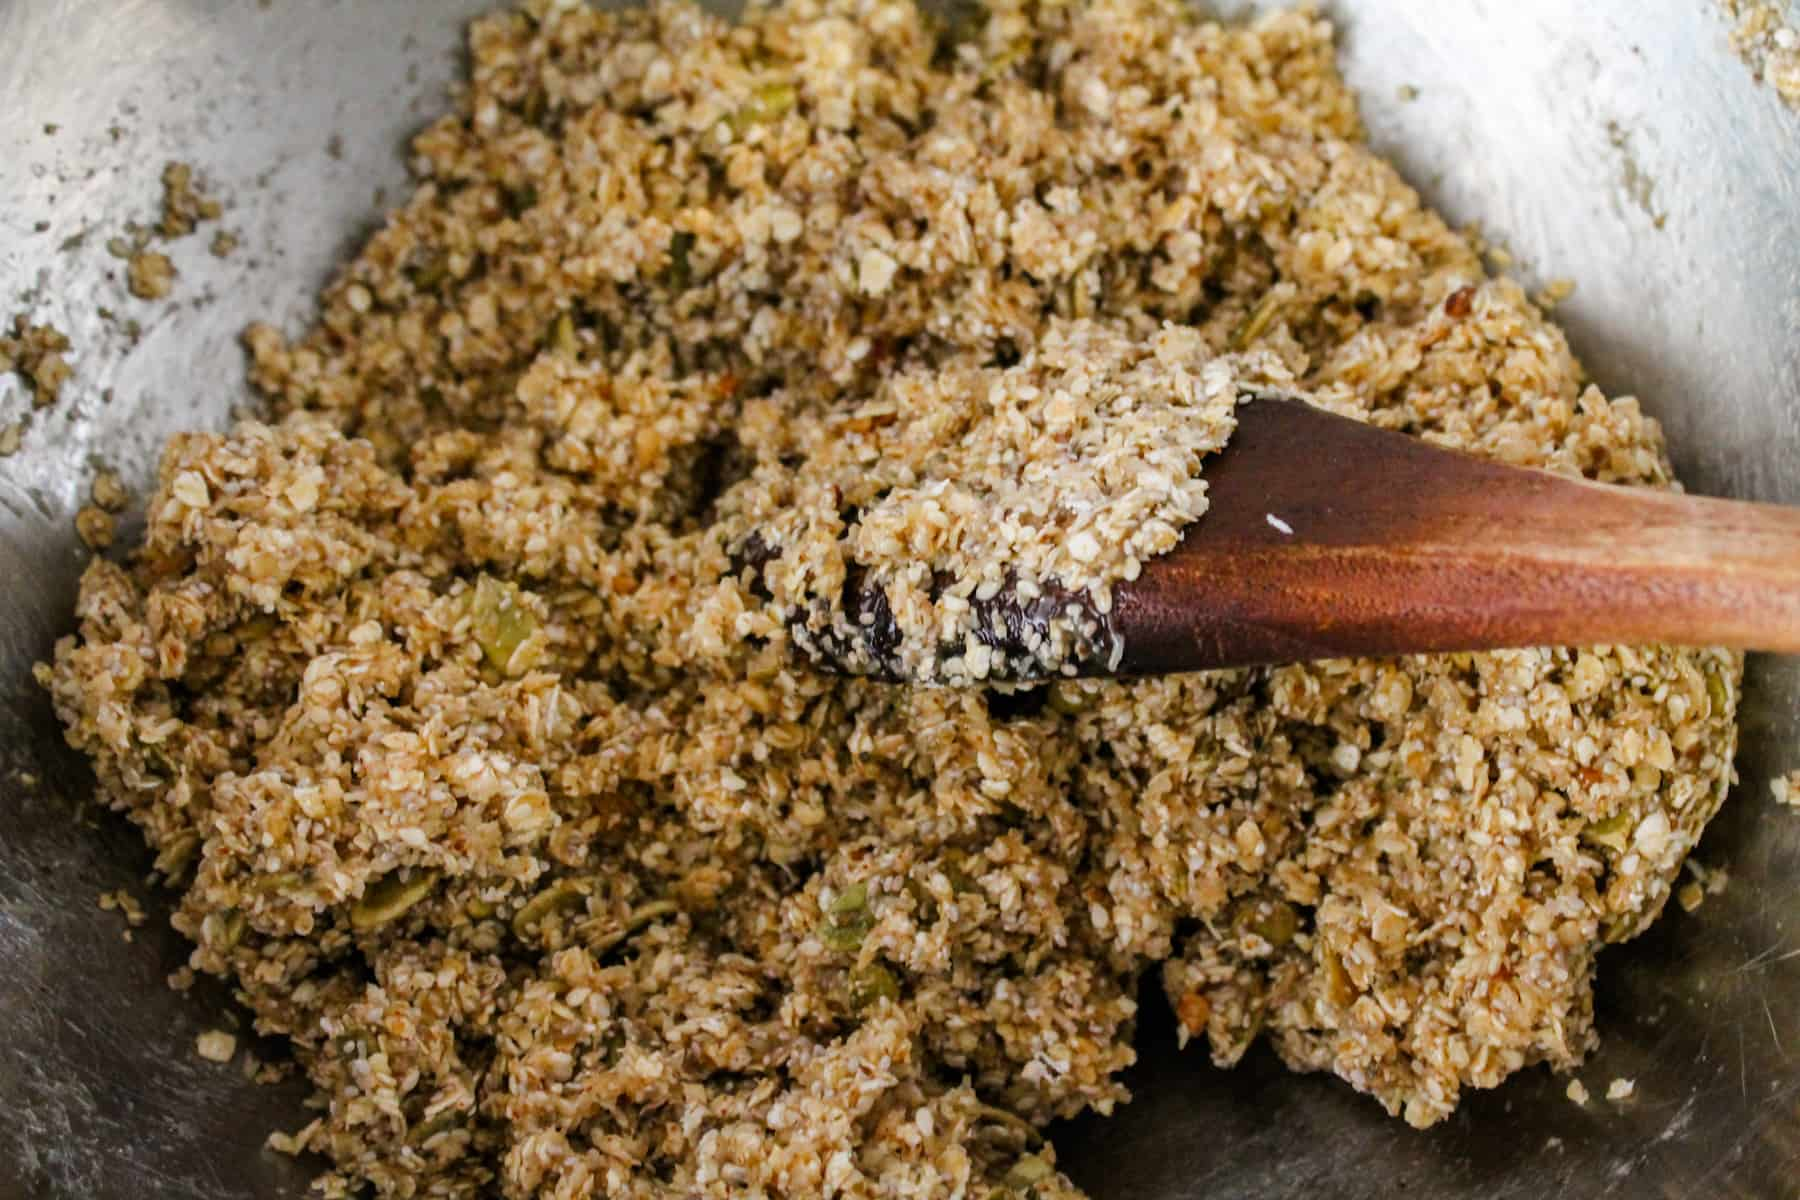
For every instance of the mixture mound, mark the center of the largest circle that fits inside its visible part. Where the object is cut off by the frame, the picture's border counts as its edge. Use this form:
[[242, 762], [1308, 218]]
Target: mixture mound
[[969, 521], [489, 765]]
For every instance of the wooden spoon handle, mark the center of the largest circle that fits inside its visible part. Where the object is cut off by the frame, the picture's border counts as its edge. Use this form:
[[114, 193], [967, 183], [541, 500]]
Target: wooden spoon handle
[[1328, 538]]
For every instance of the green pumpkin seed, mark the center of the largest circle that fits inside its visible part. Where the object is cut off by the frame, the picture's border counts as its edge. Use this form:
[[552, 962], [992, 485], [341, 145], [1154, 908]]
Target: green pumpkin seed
[[680, 273], [1257, 323], [499, 622], [1613, 833], [768, 103], [429, 273], [848, 920], [852, 899], [639, 918], [390, 897], [1717, 692], [429, 1128], [177, 855], [1011, 1120], [1027, 1172], [281, 883], [232, 925], [560, 896], [566, 344], [871, 983], [1275, 921]]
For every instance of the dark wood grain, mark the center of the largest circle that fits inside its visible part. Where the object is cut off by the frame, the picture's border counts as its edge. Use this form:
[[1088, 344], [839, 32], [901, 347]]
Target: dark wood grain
[[1401, 547]]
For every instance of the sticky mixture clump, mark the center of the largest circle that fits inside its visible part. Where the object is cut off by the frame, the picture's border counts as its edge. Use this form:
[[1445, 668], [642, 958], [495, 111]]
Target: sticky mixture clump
[[108, 491], [95, 526], [964, 487], [149, 274], [184, 206], [35, 353], [493, 778]]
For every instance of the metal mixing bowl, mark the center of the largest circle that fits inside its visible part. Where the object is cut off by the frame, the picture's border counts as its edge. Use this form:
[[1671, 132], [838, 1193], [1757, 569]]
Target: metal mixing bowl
[[1618, 143]]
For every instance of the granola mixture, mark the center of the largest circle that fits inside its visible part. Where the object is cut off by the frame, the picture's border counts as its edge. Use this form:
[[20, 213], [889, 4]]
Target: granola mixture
[[35, 353], [499, 790]]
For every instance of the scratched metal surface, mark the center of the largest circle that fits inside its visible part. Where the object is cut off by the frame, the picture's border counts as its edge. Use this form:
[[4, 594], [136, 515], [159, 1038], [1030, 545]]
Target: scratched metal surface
[[1618, 143]]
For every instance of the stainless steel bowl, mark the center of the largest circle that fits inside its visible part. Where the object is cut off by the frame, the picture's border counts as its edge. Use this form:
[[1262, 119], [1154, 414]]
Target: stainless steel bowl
[[1618, 143]]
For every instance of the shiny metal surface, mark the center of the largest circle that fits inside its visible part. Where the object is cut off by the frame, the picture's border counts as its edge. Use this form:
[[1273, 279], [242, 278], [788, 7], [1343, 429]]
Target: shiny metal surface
[[1617, 143]]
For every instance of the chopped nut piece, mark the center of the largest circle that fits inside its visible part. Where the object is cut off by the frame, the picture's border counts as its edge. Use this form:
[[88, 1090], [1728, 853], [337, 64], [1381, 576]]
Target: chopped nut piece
[[215, 1045], [680, 273], [1192, 1010], [108, 492], [875, 271]]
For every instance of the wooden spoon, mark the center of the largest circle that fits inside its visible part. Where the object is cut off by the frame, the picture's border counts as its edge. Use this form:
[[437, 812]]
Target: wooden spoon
[[1329, 538], [1401, 547]]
